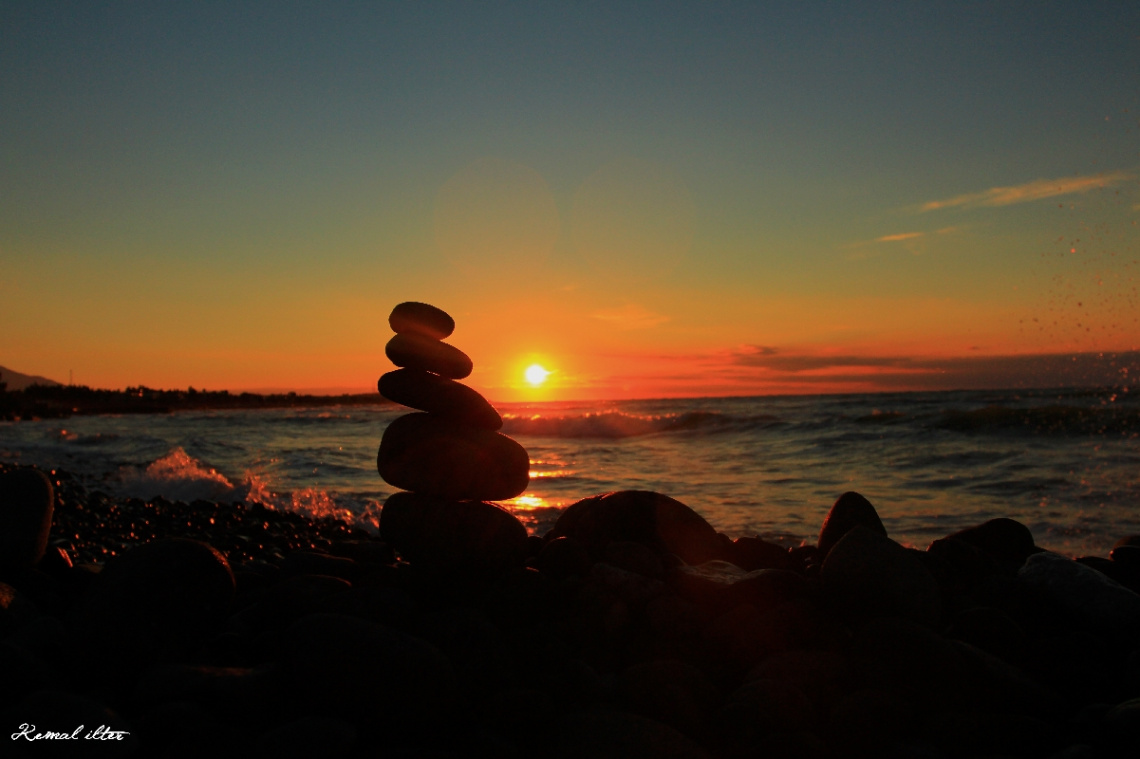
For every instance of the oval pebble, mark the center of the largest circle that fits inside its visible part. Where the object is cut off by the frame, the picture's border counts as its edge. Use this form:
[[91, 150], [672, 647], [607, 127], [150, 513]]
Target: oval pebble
[[422, 318], [415, 351]]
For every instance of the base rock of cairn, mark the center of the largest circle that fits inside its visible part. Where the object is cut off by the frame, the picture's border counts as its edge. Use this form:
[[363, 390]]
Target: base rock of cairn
[[450, 457]]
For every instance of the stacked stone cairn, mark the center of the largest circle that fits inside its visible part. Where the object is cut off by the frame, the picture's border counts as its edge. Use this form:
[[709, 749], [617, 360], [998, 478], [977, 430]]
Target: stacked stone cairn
[[450, 457]]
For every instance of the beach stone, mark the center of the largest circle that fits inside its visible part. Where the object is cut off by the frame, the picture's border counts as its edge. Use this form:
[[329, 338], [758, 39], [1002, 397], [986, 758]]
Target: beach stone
[[1120, 729], [414, 351], [822, 676], [429, 455], [619, 735], [654, 520], [1083, 592], [439, 396], [868, 574], [157, 601], [675, 693], [1126, 552], [849, 511], [722, 585], [421, 318], [26, 503], [565, 557], [1004, 540], [339, 666], [314, 563], [756, 553], [446, 534]]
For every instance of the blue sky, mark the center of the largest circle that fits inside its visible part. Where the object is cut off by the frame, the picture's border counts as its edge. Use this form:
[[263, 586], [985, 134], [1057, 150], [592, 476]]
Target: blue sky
[[191, 191]]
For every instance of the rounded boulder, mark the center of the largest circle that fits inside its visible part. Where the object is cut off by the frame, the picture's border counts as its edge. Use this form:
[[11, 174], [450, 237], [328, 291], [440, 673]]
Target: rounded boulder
[[421, 318], [433, 456]]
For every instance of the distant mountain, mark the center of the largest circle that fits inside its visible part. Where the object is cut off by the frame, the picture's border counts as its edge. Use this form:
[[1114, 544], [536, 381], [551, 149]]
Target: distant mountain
[[17, 381]]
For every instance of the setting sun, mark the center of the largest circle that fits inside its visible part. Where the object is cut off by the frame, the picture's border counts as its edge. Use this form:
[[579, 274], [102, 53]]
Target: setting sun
[[536, 374]]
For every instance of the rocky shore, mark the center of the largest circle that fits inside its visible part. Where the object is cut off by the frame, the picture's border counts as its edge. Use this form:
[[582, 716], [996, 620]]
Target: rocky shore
[[632, 629]]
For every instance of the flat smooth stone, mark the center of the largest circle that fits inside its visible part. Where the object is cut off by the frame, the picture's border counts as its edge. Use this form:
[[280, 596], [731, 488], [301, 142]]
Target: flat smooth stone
[[442, 397], [422, 318], [434, 456], [415, 351]]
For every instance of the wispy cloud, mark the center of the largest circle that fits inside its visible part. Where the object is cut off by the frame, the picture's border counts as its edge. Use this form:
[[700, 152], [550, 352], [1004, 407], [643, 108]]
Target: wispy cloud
[[630, 317], [900, 237], [1038, 189]]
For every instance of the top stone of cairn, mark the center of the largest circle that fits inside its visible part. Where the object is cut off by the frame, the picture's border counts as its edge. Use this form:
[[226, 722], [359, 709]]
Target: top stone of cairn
[[422, 319]]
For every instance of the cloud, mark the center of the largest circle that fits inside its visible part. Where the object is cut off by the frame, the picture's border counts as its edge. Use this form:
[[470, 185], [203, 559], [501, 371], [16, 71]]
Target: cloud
[[1038, 189], [900, 237], [630, 317], [766, 364]]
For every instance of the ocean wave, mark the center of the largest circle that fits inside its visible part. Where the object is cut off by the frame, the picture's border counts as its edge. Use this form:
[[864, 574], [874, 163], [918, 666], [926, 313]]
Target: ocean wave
[[1054, 419], [618, 424], [178, 476]]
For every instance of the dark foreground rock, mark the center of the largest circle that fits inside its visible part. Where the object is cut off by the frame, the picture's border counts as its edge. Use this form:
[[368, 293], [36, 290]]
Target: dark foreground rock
[[628, 631]]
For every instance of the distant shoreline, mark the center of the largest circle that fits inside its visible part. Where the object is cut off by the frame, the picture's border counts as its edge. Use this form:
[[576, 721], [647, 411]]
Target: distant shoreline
[[60, 402]]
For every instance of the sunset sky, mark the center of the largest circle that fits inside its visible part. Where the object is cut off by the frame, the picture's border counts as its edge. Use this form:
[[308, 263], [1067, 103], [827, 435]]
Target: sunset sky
[[648, 199]]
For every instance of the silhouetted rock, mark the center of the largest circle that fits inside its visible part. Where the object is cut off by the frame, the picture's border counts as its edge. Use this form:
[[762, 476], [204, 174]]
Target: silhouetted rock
[[157, 602], [868, 574], [340, 666], [425, 454], [446, 534], [657, 521], [440, 397], [415, 351], [1003, 540], [1083, 592], [850, 510], [675, 693], [421, 318], [26, 503], [756, 553]]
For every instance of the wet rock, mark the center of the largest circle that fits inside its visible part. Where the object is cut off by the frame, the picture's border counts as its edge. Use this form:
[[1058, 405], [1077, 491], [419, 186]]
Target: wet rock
[[1083, 592], [867, 574], [157, 602], [1006, 541], [439, 396], [634, 557], [654, 520], [946, 674], [755, 553], [343, 667], [444, 534], [766, 718], [314, 563], [822, 676], [991, 630], [867, 722], [850, 510], [618, 735], [26, 504], [421, 318], [414, 351], [675, 693], [633, 588], [565, 557], [719, 585], [428, 455]]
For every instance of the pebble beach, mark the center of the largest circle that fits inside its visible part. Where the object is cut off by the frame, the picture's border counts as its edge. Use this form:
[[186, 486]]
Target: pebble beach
[[631, 627]]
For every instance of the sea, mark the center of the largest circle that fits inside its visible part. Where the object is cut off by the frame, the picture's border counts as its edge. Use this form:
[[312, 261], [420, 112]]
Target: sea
[[1066, 463]]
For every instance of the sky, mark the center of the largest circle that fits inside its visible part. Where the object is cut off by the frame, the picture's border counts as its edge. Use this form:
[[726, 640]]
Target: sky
[[648, 199]]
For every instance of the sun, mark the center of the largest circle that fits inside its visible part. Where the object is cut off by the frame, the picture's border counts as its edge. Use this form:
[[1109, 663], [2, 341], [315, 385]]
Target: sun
[[536, 374]]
